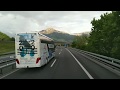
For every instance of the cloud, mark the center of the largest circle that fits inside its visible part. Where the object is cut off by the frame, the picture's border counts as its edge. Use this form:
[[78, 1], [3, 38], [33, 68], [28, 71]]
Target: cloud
[[12, 22]]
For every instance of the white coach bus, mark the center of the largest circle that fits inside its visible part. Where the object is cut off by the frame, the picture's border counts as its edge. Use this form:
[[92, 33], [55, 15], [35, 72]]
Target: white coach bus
[[33, 49]]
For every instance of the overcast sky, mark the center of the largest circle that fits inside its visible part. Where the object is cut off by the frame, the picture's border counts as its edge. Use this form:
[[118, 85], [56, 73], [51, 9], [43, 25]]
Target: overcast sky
[[67, 21]]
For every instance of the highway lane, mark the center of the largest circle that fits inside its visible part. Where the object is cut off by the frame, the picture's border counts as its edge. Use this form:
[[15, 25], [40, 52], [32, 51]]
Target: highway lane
[[67, 68], [68, 64], [63, 66], [97, 71], [43, 72]]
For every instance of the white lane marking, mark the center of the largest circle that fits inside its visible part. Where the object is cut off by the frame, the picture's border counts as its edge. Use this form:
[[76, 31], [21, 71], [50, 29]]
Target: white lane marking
[[60, 51], [53, 63], [9, 73], [88, 74]]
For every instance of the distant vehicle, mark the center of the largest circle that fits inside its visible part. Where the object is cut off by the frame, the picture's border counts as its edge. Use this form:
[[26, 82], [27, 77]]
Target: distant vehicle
[[33, 49], [66, 45]]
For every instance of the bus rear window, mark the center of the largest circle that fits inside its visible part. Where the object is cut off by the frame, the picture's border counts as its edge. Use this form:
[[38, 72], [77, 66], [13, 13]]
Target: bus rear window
[[26, 40], [26, 37]]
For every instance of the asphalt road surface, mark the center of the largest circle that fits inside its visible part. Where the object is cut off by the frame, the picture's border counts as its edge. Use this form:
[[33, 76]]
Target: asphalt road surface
[[67, 64]]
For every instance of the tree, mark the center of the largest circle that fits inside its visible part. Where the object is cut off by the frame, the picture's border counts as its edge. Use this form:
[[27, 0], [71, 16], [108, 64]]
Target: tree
[[80, 41], [105, 35], [12, 39]]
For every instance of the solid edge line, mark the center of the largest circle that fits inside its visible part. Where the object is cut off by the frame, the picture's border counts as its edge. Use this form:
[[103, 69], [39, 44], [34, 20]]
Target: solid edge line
[[88, 74]]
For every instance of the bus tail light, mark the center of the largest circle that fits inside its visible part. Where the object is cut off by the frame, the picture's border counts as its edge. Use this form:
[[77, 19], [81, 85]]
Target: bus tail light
[[17, 61], [38, 59]]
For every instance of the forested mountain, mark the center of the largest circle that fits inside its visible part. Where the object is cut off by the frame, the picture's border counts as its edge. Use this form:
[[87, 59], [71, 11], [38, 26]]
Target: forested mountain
[[58, 35]]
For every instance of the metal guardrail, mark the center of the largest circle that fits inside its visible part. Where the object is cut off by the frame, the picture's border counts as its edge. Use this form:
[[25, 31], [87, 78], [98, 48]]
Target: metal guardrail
[[7, 65], [7, 53], [4, 61], [108, 60]]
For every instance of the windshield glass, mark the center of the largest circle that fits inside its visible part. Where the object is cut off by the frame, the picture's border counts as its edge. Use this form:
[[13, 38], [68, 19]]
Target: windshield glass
[[26, 37], [26, 43]]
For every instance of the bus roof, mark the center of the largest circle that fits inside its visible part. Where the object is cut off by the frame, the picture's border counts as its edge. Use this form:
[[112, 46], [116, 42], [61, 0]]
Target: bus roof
[[42, 36], [45, 37]]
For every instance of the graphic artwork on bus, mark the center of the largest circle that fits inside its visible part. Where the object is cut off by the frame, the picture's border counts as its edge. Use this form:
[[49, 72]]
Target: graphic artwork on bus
[[26, 45], [33, 49]]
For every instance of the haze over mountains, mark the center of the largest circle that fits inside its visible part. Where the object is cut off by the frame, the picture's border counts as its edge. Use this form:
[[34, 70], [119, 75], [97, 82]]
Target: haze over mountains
[[59, 35], [56, 35]]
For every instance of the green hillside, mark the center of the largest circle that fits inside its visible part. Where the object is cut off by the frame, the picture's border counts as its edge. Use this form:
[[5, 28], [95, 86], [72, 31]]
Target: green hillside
[[4, 37], [6, 44], [6, 47]]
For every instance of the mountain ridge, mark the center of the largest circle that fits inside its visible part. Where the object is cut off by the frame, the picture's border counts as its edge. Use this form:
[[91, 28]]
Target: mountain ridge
[[51, 30], [58, 35]]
